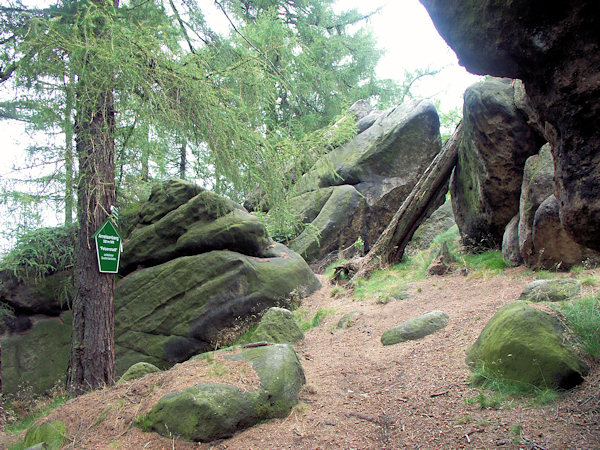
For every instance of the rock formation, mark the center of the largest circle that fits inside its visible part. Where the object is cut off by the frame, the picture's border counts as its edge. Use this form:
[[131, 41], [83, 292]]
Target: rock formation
[[556, 52], [198, 270], [355, 189], [486, 184]]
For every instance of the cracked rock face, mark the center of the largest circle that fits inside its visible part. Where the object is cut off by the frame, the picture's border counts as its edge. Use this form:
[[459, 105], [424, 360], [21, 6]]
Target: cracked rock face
[[556, 52]]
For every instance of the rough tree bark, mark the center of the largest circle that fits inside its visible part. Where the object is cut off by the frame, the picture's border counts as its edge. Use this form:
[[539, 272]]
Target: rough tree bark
[[426, 196], [92, 354]]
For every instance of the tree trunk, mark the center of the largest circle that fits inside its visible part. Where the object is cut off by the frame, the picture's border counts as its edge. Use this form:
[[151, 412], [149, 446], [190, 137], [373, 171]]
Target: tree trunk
[[182, 159], [425, 198], [92, 352], [92, 355]]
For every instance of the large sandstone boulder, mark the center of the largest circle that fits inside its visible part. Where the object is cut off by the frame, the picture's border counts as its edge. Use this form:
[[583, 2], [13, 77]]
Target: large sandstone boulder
[[439, 222], [374, 173], [486, 184], [554, 248], [538, 185], [336, 225], [206, 412], [523, 344], [555, 50], [39, 358], [167, 313], [551, 290], [206, 270], [204, 223]]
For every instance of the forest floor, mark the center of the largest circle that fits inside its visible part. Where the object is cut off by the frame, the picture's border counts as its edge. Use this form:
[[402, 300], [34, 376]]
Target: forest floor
[[360, 394]]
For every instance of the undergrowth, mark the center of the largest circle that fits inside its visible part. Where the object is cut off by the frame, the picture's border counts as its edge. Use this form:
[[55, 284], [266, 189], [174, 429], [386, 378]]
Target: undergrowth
[[582, 318], [497, 392], [21, 413], [40, 253]]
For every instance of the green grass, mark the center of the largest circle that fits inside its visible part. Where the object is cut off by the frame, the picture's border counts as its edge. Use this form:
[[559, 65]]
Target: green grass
[[496, 391], [485, 264], [305, 323], [28, 420], [582, 318]]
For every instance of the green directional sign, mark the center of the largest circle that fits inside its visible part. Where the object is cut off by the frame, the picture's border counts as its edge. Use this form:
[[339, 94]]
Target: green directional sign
[[108, 246]]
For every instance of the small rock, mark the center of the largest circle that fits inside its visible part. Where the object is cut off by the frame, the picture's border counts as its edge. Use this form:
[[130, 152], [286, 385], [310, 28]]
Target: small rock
[[551, 290], [415, 328]]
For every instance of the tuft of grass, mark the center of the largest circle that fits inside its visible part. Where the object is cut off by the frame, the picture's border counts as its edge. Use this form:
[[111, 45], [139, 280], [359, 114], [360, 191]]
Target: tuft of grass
[[589, 279], [305, 323], [245, 338], [329, 271], [503, 391], [486, 264], [463, 420], [338, 292], [582, 318]]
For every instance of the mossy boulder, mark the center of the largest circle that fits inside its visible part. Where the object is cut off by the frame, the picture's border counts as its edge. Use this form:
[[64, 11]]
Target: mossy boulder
[[415, 328], [439, 222], [206, 412], [138, 370], [167, 313], [165, 197], [551, 290], [52, 434], [486, 184], [39, 358], [278, 326], [206, 222], [523, 344]]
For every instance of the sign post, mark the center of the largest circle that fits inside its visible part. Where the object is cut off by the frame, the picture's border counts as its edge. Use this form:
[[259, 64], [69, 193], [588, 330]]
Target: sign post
[[108, 246]]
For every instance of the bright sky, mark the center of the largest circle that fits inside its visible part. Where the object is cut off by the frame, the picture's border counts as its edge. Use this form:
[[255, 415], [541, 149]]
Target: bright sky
[[403, 29]]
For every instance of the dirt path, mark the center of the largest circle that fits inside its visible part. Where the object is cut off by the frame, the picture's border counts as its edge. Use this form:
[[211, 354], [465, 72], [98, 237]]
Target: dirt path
[[360, 394]]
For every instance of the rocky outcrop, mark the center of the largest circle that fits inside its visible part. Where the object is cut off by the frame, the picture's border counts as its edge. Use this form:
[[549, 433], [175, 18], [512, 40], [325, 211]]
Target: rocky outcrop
[[486, 184], [556, 52], [372, 175], [206, 270], [523, 344], [542, 240], [206, 412], [198, 271], [415, 328], [138, 370]]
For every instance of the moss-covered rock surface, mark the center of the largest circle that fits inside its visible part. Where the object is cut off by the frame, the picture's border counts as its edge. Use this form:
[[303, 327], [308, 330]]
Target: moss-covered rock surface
[[39, 358], [415, 328], [52, 435], [551, 290], [138, 370], [206, 412], [167, 313], [526, 345], [278, 326]]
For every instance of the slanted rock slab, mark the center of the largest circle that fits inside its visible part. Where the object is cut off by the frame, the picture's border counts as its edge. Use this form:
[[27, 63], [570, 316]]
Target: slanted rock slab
[[524, 344], [551, 290], [415, 328], [278, 326]]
